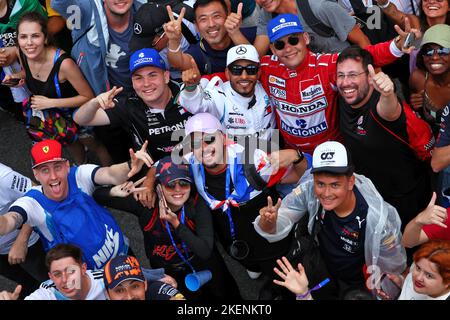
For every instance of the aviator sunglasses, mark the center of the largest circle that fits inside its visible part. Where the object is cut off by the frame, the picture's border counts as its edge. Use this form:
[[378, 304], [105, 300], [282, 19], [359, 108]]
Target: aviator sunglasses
[[182, 183], [441, 52]]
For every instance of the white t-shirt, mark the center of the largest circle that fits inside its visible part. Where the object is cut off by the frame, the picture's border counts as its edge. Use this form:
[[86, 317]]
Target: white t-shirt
[[408, 292], [47, 290], [402, 5], [13, 185], [36, 216]]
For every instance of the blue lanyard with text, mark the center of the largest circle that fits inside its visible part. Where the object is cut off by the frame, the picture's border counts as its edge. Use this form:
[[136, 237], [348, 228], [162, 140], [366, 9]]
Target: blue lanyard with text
[[227, 194], [185, 259]]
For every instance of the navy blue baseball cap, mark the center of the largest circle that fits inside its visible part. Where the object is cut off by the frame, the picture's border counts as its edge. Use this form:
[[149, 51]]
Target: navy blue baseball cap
[[167, 171], [283, 25], [146, 57]]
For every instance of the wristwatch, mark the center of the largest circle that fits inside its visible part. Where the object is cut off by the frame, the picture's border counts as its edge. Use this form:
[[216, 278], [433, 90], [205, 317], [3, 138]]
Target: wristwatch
[[301, 156]]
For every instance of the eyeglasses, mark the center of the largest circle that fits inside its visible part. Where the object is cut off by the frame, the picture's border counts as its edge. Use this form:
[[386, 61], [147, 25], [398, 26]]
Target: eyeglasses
[[181, 183], [237, 70], [160, 36], [351, 76], [292, 40], [441, 52], [207, 138]]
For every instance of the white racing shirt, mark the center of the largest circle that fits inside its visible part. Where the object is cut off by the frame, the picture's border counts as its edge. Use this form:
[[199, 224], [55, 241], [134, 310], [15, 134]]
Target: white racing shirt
[[239, 115], [13, 185]]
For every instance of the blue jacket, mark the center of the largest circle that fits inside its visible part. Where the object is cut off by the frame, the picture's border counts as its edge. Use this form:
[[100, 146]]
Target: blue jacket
[[90, 37]]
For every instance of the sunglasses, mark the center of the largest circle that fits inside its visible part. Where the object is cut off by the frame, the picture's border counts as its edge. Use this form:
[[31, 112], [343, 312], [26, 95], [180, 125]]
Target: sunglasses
[[441, 52], [292, 40], [181, 183], [237, 70], [207, 138]]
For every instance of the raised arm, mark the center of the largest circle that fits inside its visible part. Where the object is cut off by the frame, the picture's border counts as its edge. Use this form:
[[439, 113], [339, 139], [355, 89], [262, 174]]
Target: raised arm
[[10, 222], [176, 57], [388, 106], [92, 113], [119, 173], [397, 16], [433, 214]]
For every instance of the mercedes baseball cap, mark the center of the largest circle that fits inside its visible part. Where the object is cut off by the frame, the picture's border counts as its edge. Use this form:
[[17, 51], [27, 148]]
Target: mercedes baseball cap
[[283, 25], [46, 151], [242, 52], [331, 156]]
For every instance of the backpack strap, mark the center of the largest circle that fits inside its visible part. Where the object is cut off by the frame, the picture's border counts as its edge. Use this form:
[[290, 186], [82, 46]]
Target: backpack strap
[[390, 131], [207, 67], [311, 20]]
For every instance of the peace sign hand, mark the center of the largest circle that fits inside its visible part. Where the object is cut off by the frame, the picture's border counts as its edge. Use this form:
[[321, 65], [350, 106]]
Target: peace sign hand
[[403, 34], [173, 27], [106, 99], [138, 159], [234, 20], [268, 216], [125, 189]]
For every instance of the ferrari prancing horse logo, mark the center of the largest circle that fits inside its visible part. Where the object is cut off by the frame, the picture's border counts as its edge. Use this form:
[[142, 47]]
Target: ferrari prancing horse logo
[[45, 149]]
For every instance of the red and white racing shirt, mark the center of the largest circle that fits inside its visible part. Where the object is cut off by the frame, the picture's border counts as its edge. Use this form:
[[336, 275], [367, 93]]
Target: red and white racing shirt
[[305, 99]]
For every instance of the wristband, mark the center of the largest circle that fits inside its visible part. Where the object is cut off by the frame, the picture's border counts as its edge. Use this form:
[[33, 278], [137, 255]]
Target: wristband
[[176, 50], [303, 296], [384, 6], [190, 87], [301, 156], [317, 287]]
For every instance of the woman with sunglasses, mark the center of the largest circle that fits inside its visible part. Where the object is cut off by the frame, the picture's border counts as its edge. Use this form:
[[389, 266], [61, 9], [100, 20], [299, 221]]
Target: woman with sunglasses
[[178, 234], [431, 82]]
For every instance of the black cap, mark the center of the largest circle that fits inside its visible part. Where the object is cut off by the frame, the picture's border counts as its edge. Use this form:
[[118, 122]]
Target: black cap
[[148, 22]]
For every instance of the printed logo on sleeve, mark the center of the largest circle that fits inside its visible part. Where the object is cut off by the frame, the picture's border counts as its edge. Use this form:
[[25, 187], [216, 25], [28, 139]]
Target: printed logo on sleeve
[[277, 81], [277, 92]]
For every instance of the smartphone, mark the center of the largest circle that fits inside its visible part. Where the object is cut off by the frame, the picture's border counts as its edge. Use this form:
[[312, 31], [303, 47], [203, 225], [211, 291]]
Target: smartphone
[[410, 38], [389, 287], [12, 82], [161, 196]]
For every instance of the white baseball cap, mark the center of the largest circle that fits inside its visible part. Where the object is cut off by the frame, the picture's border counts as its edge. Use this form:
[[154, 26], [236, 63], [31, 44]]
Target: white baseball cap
[[331, 156], [242, 52]]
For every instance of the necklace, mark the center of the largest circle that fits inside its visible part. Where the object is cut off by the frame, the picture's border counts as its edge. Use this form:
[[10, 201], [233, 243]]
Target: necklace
[[37, 75]]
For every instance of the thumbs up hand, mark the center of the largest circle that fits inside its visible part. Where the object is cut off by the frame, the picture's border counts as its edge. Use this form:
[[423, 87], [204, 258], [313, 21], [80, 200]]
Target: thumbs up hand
[[433, 214], [380, 81]]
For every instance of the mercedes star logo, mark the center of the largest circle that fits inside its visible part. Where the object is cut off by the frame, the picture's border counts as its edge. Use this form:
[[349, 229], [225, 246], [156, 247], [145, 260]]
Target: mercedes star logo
[[137, 28], [241, 50]]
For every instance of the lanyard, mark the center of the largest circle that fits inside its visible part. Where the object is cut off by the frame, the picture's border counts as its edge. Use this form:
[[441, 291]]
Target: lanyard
[[227, 195], [185, 259]]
